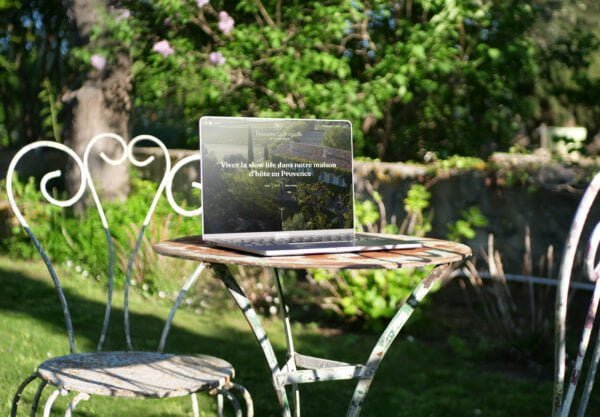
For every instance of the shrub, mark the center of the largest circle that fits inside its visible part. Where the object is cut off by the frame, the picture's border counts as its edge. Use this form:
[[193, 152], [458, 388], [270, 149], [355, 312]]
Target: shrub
[[375, 295], [371, 295], [79, 240]]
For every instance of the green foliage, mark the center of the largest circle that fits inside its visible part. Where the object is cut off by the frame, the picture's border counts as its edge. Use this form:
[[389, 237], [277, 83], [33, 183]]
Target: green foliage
[[366, 213], [369, 215], [35, 37], [49, 112], [371, 295], [569, 81], [7, 4], [80, 240], [459, 347], [33, 208], [416, 201], [465, 228], [457, 162], [412, 77], [374, 296]]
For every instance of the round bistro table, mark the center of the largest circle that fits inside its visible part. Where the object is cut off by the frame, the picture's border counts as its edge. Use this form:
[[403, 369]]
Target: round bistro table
[[442, 256]]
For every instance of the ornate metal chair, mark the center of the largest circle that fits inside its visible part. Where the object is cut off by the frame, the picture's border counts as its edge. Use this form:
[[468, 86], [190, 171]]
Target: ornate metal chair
[[564, 400], [130, 373]]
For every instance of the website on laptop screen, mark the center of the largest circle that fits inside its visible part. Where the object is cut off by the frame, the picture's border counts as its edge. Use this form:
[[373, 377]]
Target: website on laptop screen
[[268, 175]]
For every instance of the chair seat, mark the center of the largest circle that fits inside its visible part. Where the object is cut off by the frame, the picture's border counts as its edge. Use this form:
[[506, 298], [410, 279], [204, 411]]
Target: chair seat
[[136, 374]]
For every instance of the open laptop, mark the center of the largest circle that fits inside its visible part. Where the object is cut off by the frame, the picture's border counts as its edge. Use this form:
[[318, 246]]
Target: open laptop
[[281, 187]]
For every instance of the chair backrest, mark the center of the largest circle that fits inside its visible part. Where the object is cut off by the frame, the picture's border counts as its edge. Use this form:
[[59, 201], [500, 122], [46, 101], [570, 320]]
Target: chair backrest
[[564, 400], [87, 182]]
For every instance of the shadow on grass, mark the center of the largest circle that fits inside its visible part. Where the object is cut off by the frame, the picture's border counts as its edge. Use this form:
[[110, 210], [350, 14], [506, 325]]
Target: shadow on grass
[[38, 299], [26, 294]]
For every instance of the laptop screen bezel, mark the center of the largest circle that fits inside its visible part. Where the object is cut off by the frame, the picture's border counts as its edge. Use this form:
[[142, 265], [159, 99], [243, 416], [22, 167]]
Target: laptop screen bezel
[[276, 234]]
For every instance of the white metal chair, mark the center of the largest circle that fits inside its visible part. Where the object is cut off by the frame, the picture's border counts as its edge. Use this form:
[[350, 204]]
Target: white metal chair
[[563, 401], [130, 373]]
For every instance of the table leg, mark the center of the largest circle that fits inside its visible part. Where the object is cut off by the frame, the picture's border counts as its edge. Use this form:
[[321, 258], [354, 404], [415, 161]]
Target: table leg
[[291, 352], [245, 306], [389, 335]]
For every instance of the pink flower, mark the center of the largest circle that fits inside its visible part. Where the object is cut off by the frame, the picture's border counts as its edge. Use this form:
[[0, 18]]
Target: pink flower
[[123, 15], [98, 62], [216, 58], [163, 48], [201, 3], [226, 22]]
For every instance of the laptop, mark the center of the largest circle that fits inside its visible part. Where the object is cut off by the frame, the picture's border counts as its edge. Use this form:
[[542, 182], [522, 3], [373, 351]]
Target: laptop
[[277, 187]]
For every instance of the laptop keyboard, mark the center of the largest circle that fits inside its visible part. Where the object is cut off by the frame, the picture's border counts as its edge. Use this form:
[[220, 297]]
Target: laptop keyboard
[[300, 239]]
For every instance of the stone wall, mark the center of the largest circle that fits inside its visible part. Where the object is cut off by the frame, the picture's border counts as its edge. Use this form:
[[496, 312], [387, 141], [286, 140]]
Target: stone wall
[[543, 198]]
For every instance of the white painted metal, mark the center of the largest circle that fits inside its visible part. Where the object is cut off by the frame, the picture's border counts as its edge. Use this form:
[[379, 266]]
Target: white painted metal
[[82, 396]]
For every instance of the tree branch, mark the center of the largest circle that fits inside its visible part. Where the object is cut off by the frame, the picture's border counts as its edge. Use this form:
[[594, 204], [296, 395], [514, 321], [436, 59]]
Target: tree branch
[[203, 24], [264, 13], [278, 12]]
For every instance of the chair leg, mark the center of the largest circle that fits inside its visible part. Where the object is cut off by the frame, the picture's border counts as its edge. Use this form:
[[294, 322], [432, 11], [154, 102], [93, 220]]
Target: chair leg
[[51, 399], [82, 396], [36, 398], [219, 405], [195, 408], [17, 397], [231, 398], [247, 398]]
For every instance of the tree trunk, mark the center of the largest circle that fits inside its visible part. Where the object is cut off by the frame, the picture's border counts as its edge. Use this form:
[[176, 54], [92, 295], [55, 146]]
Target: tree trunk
[[102, 104]]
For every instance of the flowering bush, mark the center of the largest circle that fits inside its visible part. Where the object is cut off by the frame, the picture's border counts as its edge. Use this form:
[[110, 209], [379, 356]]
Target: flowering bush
[[163, 48], [226, 22], [98, 62], [436, 77]]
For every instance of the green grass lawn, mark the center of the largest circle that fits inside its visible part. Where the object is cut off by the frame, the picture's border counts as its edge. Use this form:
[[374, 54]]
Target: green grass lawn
[[417, 378]]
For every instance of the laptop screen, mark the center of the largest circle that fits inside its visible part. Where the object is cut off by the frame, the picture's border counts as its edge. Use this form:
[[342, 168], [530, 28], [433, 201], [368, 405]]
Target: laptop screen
[[272, 175]]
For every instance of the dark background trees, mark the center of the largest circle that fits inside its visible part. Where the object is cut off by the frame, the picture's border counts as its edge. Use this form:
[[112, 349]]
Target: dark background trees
[[35, 40]]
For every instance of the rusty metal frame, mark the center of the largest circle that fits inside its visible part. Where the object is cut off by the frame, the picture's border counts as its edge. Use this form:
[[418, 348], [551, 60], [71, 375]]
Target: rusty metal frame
[[389, 335], [562, 401], [300, 369], [242, 301], [66, 203], [19, 392]]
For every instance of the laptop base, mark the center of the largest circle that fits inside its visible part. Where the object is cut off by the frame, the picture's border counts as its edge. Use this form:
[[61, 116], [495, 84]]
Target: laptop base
[[357, 243]]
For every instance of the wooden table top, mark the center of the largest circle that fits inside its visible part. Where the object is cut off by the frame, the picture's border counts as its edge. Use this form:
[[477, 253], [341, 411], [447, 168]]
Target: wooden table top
[[434, 252]]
